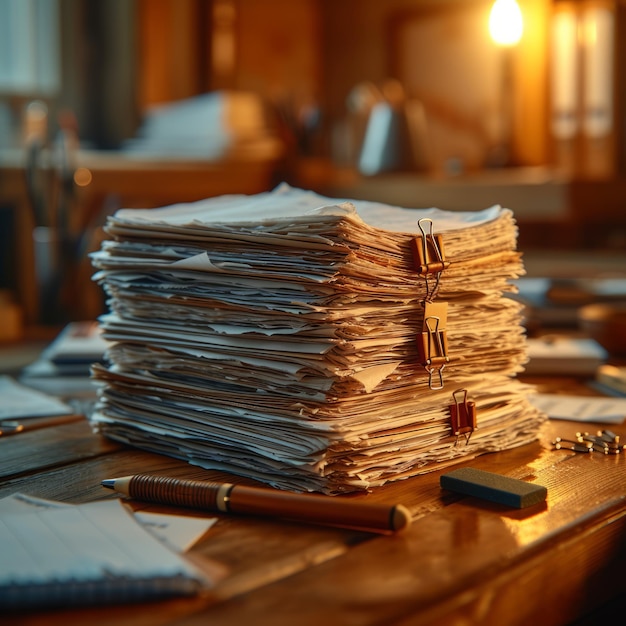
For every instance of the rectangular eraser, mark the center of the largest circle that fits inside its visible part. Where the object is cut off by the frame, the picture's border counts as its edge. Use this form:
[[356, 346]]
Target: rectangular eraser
[[493, 487]]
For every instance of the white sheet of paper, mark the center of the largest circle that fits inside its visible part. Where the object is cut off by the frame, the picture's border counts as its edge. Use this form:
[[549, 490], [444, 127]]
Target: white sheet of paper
[[581, 408], [179, 532], [19, 402], [82, 542]]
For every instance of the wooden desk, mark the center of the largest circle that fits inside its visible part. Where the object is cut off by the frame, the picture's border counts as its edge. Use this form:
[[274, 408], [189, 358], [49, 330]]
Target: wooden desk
[[462, 561]]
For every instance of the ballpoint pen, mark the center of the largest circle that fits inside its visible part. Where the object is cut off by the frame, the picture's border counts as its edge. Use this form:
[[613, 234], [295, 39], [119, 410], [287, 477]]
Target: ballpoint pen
[[229, 498]]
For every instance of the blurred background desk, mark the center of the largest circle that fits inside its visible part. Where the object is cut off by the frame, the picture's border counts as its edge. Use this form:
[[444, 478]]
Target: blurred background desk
[[104, 181], [554, 210]]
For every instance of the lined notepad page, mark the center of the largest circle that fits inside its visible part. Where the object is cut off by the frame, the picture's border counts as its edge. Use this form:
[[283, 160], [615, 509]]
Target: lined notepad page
[[86, 554]]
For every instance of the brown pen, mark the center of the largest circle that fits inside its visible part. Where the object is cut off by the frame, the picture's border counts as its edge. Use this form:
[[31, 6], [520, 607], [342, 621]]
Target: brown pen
[[229, 498]]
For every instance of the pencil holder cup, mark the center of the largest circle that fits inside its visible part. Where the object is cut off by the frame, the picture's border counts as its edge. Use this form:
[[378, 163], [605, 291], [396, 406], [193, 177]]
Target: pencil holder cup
[[606, 323]]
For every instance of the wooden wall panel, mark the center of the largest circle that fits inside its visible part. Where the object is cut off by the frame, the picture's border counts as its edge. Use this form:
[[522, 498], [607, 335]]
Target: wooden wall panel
[[173, 50]]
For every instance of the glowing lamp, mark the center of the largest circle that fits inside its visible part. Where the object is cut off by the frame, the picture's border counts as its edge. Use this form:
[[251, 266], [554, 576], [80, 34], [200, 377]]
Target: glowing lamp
[[505, 22]]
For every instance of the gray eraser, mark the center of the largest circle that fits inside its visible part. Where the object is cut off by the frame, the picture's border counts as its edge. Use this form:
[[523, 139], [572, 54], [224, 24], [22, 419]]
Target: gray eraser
[[494, 487]]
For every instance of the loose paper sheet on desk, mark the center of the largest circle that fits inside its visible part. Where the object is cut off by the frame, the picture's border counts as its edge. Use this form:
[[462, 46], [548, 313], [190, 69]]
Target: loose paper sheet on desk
[[276, 336], [20, 402], [63, 368], [79, 343], [57, 554], [563, 356], [179, 532], [581, 408]]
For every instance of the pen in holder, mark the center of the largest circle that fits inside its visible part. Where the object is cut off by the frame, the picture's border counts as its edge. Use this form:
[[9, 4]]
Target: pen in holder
[[49, 178]]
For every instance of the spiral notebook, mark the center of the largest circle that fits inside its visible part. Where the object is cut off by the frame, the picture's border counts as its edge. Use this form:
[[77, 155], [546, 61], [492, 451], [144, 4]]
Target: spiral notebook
[[87, 554]]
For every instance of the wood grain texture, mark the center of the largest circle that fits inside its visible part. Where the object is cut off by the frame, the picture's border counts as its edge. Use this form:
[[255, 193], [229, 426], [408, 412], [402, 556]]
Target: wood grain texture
[[37, 450], [463, 560]]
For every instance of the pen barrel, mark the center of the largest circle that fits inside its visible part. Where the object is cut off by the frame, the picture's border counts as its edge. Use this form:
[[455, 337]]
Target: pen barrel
[[315, 509]]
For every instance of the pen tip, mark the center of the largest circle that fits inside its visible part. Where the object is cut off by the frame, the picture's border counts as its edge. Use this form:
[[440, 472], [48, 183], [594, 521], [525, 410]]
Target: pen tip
[[109, 483]]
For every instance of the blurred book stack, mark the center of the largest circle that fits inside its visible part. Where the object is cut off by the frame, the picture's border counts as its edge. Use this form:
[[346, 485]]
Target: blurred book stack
[[311, 343]]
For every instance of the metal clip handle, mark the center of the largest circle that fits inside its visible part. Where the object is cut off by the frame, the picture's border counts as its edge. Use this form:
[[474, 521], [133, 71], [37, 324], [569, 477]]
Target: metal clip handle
[[428, 253], [431, 376]]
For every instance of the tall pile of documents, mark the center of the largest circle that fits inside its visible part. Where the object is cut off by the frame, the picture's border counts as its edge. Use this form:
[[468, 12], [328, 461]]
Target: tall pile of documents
[[311, 343]]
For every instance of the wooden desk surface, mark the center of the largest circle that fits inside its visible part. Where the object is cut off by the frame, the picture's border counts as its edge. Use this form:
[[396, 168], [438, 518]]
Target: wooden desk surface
[[462, 561]]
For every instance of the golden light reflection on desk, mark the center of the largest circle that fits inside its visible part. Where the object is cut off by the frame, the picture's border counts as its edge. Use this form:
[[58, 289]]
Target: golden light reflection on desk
[[529, 525]]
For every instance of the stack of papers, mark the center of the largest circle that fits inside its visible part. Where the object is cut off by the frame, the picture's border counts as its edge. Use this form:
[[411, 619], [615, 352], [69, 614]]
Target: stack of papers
[[277, 336], [214, 126]]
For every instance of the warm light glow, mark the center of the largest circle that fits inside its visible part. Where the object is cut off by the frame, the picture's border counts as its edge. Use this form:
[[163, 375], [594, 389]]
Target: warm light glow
[[82, 177], [505, 22]]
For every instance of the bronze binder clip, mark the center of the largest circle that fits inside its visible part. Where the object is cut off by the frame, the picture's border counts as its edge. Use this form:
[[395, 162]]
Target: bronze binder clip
[[428, 260], [428, 256], [433, 348], [462, 415], [433, 342]]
